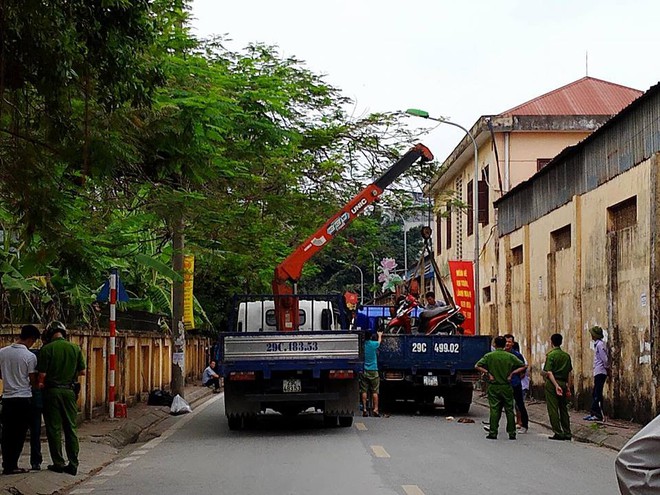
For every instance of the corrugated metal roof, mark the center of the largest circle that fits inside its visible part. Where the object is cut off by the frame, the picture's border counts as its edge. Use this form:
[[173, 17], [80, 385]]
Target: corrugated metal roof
[[586, 96]]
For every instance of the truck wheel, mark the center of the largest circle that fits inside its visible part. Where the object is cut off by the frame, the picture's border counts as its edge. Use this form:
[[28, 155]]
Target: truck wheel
[[457, 408], [329, 421], [345, 421], [235, 422]]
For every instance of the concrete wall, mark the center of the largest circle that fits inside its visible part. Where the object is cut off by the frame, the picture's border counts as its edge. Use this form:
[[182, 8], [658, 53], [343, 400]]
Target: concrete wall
[[143, 364], [522, 150], [601, 278]]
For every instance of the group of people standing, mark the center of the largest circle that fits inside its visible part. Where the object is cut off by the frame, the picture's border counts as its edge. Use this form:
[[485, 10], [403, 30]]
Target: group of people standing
[[505, 367], [35, 382]]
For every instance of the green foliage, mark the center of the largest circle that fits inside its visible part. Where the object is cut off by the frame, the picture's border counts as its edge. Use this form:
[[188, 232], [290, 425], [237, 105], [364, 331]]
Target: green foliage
[[115, 122]]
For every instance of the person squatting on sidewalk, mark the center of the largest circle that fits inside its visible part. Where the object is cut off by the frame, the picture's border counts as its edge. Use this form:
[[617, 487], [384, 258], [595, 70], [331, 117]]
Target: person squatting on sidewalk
[[500, 367], [210, 377], [601, 372], [60, 364], [18, 367], [558, 384]]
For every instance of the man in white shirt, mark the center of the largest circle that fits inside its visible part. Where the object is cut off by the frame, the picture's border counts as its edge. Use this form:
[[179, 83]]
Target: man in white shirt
[[18, 370]]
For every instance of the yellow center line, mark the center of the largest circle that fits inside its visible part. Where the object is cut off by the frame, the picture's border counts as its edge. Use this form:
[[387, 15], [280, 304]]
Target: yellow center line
[[361, 426], [379, 451], [412, 490]]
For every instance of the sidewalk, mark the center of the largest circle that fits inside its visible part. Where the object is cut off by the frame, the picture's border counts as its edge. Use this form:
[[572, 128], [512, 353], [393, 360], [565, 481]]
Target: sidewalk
[[611, 433], [100, 442]]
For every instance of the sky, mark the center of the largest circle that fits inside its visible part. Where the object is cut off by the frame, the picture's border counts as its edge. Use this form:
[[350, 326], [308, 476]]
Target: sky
[[456, 59]]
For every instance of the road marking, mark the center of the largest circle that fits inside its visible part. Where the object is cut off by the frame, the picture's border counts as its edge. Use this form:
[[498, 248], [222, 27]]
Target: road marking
[[412, 490], [182, 422], [139, 452], [109, 472], [96, 481], [130, 458], [82, 490], [122, 464], [361, 426], [379, 451]]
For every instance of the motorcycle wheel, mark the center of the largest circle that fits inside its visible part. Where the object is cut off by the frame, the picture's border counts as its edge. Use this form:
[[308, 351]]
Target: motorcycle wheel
[[446, 326]]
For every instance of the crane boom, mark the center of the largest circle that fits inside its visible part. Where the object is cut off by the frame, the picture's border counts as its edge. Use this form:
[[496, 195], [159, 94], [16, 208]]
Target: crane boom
[[289, 271]]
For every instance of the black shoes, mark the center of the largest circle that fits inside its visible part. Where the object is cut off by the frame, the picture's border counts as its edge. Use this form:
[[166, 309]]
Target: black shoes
[[557, 437], [68, 469], [72, 470]]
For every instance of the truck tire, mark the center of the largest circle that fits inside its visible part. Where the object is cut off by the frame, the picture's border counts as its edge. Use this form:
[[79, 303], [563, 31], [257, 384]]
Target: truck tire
[[457, 407], [345, 421], [329, 421], [459, 399], [235, 422]]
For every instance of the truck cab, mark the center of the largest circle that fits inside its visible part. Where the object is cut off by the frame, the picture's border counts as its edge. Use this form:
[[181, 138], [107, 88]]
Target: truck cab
[[313, 316]]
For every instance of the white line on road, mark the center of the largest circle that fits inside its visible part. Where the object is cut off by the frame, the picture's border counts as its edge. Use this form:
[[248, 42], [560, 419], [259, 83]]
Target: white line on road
[[139, 452], [379, 451], [130, 458], [96, 481], [361, 426], [179, 424], [110, 472], [412, 490], [82, 490], [121, 464]]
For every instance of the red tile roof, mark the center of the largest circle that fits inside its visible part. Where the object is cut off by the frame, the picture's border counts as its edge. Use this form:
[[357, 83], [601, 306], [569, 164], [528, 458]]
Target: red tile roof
[[586, 96]]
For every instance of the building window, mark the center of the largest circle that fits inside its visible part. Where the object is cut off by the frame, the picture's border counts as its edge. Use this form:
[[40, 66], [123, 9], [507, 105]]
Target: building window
[[486, 292], [459, 222], [470, 204], [560, 239], [438, 233], [483, 197], [448, 232], [622, 215], [517, 255], [542, 162]]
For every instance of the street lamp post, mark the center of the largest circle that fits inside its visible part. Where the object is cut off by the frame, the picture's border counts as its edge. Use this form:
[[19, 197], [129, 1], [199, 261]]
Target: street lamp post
[[361, 279], [475, 207], [405, 246], [373, 266]]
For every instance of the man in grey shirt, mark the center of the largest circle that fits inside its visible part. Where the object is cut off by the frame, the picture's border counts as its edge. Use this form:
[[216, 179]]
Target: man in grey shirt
[[18, 369]]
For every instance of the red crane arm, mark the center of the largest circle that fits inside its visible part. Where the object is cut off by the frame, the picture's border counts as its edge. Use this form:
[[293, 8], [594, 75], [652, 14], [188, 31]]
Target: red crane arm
[[289, 271]]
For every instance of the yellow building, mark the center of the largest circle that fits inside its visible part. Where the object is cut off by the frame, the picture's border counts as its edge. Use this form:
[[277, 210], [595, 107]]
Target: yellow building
[[578, 246], [513, 146]]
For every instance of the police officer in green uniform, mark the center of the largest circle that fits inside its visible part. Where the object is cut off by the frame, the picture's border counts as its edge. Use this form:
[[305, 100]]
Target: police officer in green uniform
[[500, 367], [558, 384], [60, 364]]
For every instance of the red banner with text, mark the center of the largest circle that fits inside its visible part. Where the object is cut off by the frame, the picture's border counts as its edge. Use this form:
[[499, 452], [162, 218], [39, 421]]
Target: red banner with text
[[462, 279]]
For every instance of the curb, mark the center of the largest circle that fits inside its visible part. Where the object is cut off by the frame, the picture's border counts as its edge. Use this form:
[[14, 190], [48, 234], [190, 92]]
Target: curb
[[609, 435], [130, 431]]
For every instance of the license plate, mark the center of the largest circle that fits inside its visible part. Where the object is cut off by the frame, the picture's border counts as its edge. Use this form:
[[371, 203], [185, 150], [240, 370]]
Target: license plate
[[291, 385], [431, 381]]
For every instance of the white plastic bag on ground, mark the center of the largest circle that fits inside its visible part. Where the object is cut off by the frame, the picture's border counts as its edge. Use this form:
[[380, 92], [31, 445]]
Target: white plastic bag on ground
[[179, 405]]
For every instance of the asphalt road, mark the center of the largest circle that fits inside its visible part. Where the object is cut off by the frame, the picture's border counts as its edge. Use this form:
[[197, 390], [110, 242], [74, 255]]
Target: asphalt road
[[405, 454]]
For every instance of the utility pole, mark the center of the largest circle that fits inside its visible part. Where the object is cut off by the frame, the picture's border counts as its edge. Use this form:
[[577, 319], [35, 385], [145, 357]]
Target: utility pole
[[178, 328]]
